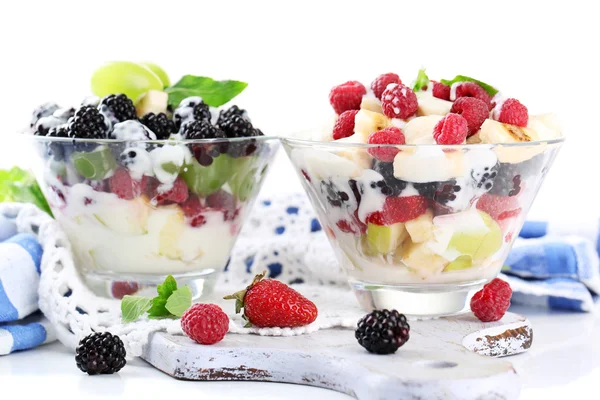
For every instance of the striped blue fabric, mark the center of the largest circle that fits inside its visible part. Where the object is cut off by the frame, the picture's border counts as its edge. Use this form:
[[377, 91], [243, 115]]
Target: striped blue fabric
[[21, 325]]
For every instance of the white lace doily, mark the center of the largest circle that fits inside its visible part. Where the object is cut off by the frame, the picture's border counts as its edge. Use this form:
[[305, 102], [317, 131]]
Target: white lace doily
[[281, 236]]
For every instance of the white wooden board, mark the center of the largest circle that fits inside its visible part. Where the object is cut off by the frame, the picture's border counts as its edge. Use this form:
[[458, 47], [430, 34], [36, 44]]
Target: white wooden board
[[438, 362]]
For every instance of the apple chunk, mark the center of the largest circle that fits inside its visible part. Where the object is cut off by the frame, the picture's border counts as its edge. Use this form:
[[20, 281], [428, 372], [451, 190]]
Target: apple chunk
[[385, 239]]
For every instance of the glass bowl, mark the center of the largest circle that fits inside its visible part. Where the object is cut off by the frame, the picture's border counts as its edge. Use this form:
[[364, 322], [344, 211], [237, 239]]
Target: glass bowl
[[421, 228], [136, 212]]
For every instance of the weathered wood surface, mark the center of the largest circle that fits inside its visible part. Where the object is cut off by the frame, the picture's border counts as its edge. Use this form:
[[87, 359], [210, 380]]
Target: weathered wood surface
[[438, 362]]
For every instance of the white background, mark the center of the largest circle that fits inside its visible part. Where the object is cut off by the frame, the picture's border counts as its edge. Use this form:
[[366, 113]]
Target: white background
[[291, 53]]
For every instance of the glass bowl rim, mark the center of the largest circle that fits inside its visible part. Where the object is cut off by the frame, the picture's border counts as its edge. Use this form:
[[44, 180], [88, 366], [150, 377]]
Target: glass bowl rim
[[154, 142], [472, 146]]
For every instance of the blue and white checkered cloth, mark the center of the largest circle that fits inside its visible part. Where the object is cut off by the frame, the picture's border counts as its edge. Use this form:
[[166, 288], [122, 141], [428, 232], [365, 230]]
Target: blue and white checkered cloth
[[556, 265], [21, 325]]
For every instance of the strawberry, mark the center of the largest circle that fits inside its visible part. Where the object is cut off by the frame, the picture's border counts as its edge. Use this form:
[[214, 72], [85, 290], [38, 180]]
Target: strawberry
[[399, 209], [271, 303], [499, 207]]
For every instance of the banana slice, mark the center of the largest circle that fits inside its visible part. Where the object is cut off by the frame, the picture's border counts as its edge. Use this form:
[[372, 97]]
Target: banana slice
[[371, 104], [428, 164], [367, 122], [420, 129], [474, 139], [323, 164], [429, 105], [493, 132], [359, 156], [544, 126]]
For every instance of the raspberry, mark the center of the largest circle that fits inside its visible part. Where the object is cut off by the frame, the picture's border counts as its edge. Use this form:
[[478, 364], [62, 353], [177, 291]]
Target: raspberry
[[221, 200], [513, 112], [177, 194], [379, 85], [491, 302], [391, 135], [347, 96], [473, 110], [440, 90], [205, 323], [399, 209], [471, 89], [345, 226], [121, 289], [344, 126], [452, 129], [192, 206], [126, 187], [399, 101]]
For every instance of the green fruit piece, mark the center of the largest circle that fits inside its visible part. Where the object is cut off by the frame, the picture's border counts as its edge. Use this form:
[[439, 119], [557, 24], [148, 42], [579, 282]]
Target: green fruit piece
[[159, 72], [479, 246], [94, 165], [125, 77], [171, 168], [206, 180], [244, 179], [462, 262], [385, 239]]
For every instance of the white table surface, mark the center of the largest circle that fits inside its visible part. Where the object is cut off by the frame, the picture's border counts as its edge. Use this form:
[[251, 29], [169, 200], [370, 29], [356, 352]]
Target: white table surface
[[563, 363]]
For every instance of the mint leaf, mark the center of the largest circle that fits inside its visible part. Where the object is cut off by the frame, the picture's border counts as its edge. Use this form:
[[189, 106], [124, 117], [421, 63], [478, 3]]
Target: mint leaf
[[179, 301], [159, 303], [18, 185], [214, 93], [421, 81], [132, 307], [461, 78]]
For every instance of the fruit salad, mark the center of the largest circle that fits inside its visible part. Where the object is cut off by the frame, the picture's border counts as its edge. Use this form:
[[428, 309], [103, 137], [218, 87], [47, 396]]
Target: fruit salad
[[148, 178], [427, 183]]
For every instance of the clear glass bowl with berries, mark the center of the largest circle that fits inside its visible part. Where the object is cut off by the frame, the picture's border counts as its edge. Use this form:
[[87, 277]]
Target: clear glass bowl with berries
[[147, 181], [422, 190]]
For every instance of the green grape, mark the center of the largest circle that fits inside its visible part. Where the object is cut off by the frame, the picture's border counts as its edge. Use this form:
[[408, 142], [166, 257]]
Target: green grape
[[244, 177], [206, 180], [159, 72], [125, 77], [95, 164]]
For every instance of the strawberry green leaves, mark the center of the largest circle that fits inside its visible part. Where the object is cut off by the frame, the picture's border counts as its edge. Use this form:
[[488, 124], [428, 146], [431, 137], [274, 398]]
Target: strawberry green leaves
[[171, 302]]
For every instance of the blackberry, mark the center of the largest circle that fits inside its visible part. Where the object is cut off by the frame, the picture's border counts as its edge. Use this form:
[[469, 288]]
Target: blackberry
[[131, 131], [230, 112], [484, 179], [100, 353], [334, 196], [44, 124], [201, 130], [440, 192], [185, 111], [382, 331], [118, 106], [236, 126], [45, 110], [56, 149], [386, 169], [508, 181], [160, 124], [202, 112], [87, 123]]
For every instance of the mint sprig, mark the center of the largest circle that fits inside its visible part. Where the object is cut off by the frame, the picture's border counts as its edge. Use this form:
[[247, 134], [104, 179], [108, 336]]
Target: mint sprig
[[171, 302], [214, 93], [18, 185], [422, 81], [462, 78]]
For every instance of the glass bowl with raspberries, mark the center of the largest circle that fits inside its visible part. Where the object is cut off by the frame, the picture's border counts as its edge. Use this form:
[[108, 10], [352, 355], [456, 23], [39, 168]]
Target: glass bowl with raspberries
[[423, 189], [150, 179]]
